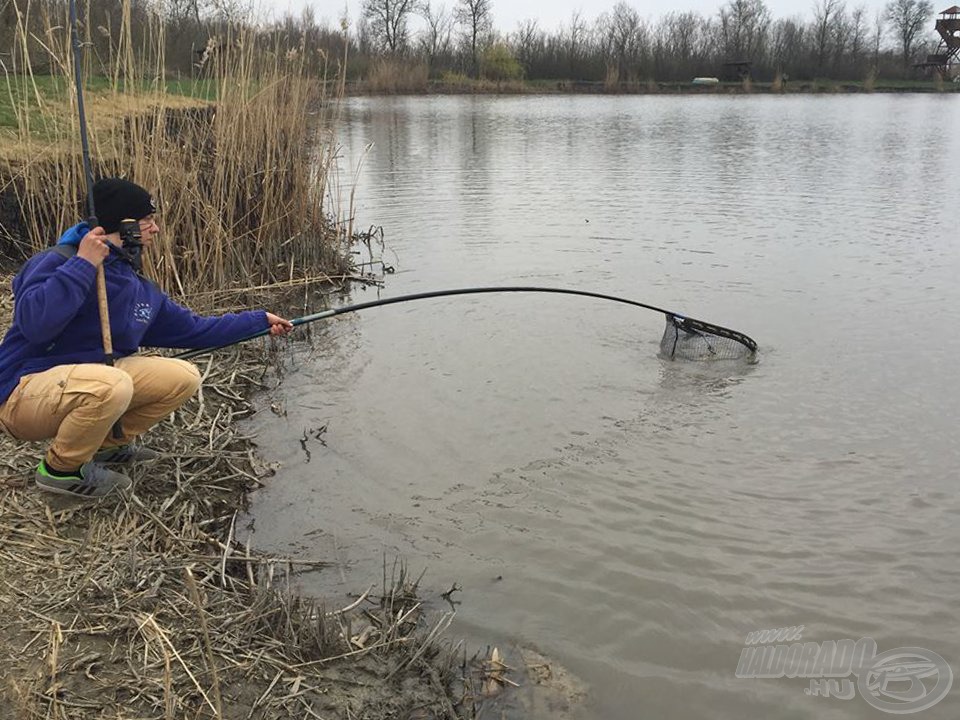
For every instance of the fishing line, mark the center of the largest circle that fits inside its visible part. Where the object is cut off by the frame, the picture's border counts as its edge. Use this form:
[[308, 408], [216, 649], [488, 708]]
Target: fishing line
[[686, 337]]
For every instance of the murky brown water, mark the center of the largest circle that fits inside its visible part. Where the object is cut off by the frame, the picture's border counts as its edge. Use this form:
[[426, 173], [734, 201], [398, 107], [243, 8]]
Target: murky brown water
[[645, 516]]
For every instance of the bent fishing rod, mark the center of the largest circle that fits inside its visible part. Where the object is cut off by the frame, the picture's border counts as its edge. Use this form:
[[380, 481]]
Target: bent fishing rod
[[687, 324]]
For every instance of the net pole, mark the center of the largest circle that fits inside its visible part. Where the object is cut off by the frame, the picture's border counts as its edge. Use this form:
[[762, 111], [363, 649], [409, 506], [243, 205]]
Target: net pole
[[306, 319]]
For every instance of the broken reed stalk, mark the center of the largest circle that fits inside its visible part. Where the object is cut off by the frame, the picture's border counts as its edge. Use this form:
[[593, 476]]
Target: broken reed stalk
[[241, 180], [168, 699], [56, 639], [207, 647]]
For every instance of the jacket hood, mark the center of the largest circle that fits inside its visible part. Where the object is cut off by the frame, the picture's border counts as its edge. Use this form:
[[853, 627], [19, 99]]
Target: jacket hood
[[74, 235]]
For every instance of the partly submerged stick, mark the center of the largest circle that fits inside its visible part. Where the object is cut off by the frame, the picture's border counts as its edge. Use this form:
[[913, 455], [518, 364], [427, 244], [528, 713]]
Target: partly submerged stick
[[690, 325]]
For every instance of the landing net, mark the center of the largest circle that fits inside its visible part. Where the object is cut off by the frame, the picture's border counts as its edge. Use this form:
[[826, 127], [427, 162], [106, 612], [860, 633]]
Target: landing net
[[690, 339]]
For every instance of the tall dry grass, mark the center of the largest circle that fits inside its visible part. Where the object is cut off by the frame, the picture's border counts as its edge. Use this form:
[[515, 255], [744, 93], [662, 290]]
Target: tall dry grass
[[240, 180], [611, 80], [397, 76]]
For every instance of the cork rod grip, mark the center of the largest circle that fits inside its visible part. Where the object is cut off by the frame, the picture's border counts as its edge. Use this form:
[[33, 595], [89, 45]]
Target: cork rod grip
[[104, 316]]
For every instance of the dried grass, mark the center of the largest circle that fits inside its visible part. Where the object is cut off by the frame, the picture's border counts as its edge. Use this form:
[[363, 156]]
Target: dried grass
[[391, 76]]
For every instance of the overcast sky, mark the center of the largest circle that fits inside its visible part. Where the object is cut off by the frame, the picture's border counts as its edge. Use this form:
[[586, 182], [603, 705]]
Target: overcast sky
[[552, 13]]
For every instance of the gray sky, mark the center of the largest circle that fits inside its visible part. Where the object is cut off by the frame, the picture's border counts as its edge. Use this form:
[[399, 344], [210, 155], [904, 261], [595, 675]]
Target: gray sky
[[552, 13]]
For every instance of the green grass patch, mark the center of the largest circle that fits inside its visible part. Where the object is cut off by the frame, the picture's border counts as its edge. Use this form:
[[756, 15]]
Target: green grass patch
[[41, 93], [204, 89]]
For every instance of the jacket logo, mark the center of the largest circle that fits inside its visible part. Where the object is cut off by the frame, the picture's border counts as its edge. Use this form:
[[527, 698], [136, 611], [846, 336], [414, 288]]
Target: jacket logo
[[142, 313]]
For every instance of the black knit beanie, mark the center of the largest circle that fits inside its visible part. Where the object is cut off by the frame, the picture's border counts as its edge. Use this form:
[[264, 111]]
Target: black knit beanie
[[115, 200]]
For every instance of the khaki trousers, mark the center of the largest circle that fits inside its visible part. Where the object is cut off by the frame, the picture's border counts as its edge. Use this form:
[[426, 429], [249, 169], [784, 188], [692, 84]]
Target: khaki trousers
[[78, 405]]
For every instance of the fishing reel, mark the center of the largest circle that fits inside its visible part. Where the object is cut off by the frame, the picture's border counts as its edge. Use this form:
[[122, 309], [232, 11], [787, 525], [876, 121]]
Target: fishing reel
[[132, 239]]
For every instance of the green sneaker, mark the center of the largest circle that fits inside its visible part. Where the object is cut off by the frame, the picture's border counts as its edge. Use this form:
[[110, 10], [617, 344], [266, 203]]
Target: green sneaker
[[92, 481], [124, 454]]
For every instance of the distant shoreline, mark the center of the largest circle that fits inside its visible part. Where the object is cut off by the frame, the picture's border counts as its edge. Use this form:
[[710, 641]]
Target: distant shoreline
[[577, 87]]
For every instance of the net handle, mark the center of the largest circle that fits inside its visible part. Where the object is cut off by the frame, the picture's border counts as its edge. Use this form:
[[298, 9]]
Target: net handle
[[690, 322]]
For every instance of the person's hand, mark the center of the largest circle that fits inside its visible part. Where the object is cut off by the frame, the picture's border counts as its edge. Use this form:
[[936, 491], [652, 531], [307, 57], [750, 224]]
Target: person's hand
[[94, 247], [278, 326]]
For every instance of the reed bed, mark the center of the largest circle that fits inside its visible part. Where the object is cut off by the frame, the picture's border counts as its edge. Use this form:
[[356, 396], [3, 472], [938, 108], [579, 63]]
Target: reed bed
[[238, 157], [393, 76]]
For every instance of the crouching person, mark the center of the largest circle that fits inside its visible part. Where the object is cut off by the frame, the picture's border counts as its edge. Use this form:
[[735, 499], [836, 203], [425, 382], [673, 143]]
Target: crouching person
[[53, 383]]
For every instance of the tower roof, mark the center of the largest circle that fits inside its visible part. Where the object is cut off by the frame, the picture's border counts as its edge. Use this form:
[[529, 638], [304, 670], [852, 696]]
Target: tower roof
[[955, 10]]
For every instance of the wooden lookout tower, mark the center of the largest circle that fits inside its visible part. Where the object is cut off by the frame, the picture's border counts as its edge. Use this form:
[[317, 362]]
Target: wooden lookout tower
[[738, 70], [948, 51]]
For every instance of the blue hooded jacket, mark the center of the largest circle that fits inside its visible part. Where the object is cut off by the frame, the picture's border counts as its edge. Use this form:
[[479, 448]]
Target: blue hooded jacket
[[56, 320]]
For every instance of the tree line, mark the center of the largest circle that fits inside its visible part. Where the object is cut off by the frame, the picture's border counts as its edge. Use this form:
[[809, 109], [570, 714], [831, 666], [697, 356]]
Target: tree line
[[837, 41]]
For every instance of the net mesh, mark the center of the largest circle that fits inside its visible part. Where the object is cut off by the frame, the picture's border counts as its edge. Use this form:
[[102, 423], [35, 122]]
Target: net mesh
[[690, 339]]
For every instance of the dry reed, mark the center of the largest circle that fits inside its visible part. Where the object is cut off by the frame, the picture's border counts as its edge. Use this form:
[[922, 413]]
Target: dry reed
[[241, 181], [393, 76]]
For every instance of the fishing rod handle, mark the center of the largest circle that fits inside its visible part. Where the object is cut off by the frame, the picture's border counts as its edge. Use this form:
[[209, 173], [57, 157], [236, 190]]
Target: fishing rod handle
[[102, 305], [104, 308]]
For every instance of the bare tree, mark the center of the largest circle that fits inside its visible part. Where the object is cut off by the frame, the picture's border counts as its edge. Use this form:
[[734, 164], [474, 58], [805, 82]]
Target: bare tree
[[625, 38], [576, 37], [528, 42], [743, 28], [435, 39], [907, 18], [387, 22], [858, 30], [840, 31], [825, 13], [477, 18], [683, 35], [788, 45], [877, 40]]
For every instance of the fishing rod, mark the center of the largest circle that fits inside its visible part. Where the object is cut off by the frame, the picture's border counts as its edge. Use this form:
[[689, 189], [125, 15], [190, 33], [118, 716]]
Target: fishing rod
[[689, 326], [102, 305], [88, 175]]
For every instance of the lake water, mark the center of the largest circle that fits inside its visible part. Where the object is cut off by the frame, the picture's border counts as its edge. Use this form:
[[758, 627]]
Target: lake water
[[632, 518]]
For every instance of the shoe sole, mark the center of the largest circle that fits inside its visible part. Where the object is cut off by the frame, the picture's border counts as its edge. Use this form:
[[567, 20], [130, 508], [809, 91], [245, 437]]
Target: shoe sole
[[74, 493], [125, 462]]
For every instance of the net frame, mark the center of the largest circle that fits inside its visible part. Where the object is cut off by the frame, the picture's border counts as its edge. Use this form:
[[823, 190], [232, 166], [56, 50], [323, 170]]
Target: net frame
[[686, 337]]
